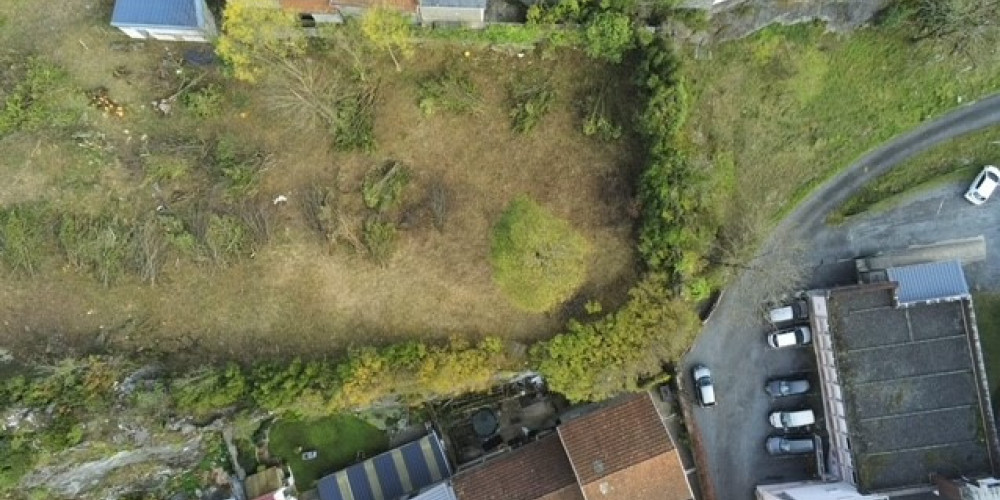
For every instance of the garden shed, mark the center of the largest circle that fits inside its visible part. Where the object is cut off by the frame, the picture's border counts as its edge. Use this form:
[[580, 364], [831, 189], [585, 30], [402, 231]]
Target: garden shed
[[177, 20], [465, 12]]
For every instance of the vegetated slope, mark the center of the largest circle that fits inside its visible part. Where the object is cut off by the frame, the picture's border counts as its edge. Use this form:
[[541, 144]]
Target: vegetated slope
[[784, 109]]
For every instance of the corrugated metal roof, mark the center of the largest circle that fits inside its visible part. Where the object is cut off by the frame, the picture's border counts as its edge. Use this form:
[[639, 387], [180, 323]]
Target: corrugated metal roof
[[391, 475], [175, 13], [458, 4], [931, 282], [442, 491]]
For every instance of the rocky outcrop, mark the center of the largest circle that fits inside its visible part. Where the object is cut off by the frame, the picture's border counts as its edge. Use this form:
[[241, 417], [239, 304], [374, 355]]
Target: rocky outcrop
[[74, 480], [739, 18]]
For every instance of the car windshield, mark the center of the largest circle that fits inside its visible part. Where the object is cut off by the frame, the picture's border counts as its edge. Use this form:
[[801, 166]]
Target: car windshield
[[704, 381]]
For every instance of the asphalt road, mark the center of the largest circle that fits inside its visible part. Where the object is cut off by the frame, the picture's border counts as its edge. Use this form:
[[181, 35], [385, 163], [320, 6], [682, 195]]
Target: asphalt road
[[732, 342]]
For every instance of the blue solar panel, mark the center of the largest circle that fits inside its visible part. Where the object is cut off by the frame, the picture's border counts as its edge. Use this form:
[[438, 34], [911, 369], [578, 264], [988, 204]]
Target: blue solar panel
[[416, 465], [418, 470], [328, 489], [441, 461], [388, 476], [359, 483]]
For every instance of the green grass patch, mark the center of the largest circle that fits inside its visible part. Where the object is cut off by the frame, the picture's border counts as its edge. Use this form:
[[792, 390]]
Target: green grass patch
[[791, 106], [957, 159], [988, 322], [337, 439]]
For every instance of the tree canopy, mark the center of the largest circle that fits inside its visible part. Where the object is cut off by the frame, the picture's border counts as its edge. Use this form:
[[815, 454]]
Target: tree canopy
[[255, 33], [539, 260], [388, 30]]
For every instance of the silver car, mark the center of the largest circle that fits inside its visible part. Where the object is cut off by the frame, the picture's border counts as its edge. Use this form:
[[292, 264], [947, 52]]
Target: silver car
[[780, 445], [800, 335], [703, 385], [787, 420], [779, 388]]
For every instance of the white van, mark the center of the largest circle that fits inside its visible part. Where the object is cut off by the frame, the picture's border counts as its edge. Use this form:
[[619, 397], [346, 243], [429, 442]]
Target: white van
[[794, 312]]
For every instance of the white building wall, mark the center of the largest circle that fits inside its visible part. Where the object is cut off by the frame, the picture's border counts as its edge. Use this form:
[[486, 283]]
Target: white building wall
[[813, 490]]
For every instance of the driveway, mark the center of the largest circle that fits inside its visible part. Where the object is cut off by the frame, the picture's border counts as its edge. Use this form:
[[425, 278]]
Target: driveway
[[733, 432]]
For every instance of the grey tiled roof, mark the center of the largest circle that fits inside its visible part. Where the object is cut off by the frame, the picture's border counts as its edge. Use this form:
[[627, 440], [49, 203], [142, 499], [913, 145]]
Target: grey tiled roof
[[178, 13], [931, 282]]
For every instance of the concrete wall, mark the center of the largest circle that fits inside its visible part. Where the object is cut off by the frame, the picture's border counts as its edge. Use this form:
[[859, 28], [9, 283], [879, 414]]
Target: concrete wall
[[471, 17]]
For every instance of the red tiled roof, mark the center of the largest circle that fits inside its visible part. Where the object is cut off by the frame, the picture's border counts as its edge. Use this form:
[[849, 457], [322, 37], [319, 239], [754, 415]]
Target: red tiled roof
[[614, 438], [535, 471], [659, 478]]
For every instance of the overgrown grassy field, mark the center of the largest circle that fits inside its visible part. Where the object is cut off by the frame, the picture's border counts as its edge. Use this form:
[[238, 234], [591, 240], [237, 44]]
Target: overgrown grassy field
[[337, 441], [783, 110], [959, 158], [159, 233]]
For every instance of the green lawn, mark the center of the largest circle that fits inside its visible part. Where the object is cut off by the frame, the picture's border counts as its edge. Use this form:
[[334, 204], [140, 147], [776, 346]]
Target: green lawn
[[988, 321], [788, 107], [960, 158], [338, 440]]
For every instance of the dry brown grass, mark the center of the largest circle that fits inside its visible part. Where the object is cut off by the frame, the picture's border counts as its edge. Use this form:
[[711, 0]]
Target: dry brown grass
[[296, 296]]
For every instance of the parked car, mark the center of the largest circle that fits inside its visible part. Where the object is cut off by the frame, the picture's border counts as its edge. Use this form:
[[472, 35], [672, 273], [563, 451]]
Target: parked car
[[799, 335], [797, 311], [780, 445], [778, 388], [787, 420], [703, 385], [983, 185]]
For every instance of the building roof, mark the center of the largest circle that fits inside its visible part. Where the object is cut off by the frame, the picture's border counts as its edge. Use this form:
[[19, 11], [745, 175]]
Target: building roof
[[440, 491], [265, 482], [455, 4], [163, 13], [528, 473], [912, 392], [930, 282], [614, 438], [393, 474]]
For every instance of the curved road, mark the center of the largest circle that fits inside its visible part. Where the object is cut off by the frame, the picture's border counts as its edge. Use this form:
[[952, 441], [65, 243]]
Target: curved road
[[733, 432]]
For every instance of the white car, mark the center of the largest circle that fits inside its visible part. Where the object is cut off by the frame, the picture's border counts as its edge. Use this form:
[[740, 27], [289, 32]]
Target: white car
[[984, 185], [800, 335], [786, 420], [703, 385]]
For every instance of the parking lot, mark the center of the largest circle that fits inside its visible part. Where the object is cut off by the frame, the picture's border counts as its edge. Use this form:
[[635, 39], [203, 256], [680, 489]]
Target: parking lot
[[735, 429]]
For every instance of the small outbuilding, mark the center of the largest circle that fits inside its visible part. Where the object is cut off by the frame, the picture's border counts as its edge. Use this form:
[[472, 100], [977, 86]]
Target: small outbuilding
[[177, 20], [470, 13]]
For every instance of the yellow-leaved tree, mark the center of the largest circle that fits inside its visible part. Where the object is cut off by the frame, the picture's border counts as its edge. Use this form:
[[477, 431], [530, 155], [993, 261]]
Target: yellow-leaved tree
[[388, 29], [256, 34]]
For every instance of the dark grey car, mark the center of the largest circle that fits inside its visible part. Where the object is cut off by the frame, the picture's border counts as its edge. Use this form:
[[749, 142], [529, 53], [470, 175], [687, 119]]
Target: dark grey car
[[778, 388], [780, 445]]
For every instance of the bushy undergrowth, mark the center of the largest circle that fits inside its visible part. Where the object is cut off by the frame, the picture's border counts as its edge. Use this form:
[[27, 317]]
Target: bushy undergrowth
[[42, 98]]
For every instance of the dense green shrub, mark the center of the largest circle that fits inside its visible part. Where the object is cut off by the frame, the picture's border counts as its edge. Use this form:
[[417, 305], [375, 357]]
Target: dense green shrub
[[382, 187], [39, 100], [608, 36], [531, 99], [451, 89], [595, 361], [678, 223], [539, 260], [204, 102], [204, 393]]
